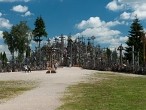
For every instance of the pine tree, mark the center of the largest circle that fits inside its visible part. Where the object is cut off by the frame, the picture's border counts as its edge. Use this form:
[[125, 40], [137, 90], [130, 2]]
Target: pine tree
[[39, 30], [38, 33], [135, 39]]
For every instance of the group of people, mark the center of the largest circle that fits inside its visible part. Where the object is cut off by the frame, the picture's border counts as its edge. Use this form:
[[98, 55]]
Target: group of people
[[27, 68]]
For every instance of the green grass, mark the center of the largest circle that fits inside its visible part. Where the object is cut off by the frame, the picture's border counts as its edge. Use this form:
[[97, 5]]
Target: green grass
[[9, 89], [107, 91]]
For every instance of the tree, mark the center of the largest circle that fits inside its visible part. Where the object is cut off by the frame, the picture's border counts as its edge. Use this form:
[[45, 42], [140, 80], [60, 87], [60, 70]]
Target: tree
[[4, 59], [17, 39], [9, 40], [39, 30], [20, 33], [38, 33], [135, 39]]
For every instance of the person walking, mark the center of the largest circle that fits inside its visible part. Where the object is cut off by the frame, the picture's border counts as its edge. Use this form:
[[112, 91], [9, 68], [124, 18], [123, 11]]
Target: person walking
[[29, 69], [25, 68]]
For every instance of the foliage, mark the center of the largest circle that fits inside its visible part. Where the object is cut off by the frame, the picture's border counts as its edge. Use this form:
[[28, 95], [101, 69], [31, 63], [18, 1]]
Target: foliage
[[135, 39], [17, 38], [3, 58], [28, 51], [9, 40], [20, 33], [39, 30], [108, 53]]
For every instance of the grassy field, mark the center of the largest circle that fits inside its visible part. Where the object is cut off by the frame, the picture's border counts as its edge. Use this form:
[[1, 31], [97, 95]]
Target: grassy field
[[107, 91], [9, 89]]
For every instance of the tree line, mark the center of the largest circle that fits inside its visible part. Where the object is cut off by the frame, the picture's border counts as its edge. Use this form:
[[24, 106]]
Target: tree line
[[18, 40]]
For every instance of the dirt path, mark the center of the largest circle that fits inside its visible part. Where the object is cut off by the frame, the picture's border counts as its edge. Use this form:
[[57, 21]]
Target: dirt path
[[47, 95]]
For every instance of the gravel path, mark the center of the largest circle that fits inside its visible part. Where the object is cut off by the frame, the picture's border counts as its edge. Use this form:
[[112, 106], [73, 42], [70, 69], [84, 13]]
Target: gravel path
[[47, 95]]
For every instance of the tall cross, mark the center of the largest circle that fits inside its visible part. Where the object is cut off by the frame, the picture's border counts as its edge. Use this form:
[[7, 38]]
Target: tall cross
[[120, 48]]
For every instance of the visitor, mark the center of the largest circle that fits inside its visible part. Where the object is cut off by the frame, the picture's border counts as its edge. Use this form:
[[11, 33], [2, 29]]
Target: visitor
[[29, 69], [25, 68]]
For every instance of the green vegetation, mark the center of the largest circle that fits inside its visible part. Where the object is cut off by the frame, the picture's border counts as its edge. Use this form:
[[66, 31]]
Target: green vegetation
[[3, 59], [136, 39], [17, 38], [107, 92], [9, 89], [39, 30]]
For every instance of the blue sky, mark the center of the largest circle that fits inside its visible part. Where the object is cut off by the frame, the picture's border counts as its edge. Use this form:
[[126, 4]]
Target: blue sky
[[107, 20]]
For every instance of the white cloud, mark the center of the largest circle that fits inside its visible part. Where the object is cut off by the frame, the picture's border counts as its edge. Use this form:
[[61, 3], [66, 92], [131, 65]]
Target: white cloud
[[131, 8], [140, 11], [102, 31], [90, 23], [95, 22], [115, 43], [4, 48], [20, 8], [5, 23], [141, 14], [131, 1], [125, 15], [1, 14], [15, 0], [113, 23], [1, 34], [28, 13], [114, 5]]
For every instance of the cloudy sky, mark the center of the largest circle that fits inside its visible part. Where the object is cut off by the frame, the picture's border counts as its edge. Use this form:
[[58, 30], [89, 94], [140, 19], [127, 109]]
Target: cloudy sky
[[107, 20]]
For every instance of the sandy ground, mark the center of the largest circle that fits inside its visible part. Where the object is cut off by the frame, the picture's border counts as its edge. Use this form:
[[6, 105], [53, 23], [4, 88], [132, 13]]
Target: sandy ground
[[47, 95]]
